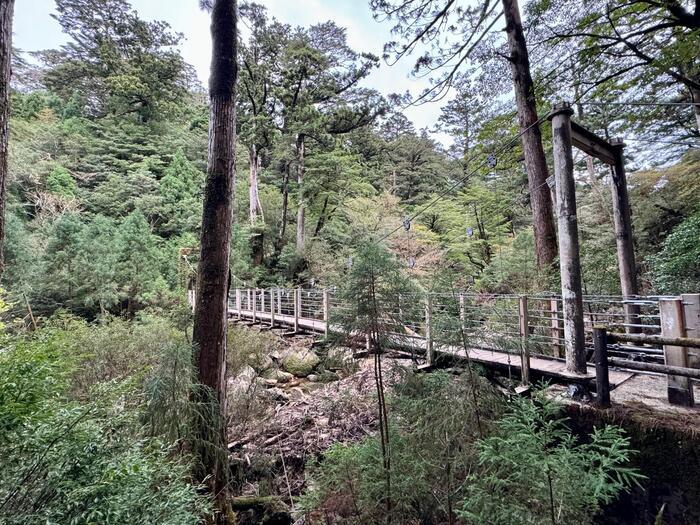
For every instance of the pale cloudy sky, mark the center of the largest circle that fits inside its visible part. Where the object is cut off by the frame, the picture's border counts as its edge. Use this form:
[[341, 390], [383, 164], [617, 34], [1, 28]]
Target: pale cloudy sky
[[34, 29]]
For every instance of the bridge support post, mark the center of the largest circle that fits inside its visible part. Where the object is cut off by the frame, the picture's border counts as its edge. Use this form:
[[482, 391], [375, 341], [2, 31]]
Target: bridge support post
[[272, 307], [524, 335], [429, 350], [680, 389], [623, 236], [602, 378], [297, 308], [569, 259], [326, 311]]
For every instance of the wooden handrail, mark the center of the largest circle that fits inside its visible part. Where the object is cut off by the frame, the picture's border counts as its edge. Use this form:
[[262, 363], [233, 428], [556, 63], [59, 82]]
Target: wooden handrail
[[655, 367], [689, 342]]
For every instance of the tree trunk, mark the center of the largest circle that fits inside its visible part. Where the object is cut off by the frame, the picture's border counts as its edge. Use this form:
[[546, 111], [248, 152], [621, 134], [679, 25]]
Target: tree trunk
[[210, 316], [257, 239], [279, 242], [301, 210], [321, 218], [6, 8], [255, 207], [535, 161]]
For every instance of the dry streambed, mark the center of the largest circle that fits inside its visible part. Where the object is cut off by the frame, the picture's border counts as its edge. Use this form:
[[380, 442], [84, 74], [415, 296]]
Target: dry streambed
[[288, 403]]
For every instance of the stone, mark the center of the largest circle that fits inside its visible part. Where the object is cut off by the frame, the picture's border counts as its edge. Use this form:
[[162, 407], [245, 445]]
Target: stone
[[243, 382], [260, 362], [300, 363], [313, 378], [278, 375], [276, 394]]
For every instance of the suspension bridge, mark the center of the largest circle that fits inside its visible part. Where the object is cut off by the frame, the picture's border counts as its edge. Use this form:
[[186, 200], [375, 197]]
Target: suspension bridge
[[520, 335]]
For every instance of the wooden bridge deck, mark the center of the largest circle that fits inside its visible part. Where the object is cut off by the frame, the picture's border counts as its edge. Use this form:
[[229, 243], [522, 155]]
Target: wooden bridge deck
[[549, 367]]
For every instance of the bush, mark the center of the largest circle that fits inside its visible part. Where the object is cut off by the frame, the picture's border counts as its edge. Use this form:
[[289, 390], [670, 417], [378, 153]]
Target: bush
[[87, 458], [533, 470], [443, 465], [676, 269], [434, 428]]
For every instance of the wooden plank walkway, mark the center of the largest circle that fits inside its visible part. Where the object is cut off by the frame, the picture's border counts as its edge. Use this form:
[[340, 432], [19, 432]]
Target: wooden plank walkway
[[550, 367]]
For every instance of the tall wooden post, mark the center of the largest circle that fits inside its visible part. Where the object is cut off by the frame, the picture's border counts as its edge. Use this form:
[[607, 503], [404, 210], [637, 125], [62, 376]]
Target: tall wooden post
[[680, 389], [429, 351], [524, 334], [623, 236], [691, 316], [602, 377], [297, 308], [272, 308], [569, 261], [326, 311]]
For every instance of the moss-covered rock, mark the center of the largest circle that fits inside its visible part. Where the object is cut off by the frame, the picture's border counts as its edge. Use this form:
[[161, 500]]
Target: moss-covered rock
[[300, 363]]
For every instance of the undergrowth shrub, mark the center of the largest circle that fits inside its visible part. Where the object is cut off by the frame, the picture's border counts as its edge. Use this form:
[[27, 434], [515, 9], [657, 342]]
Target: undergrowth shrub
[[533, 470], [433, 431], [445, 468], [75, 447]]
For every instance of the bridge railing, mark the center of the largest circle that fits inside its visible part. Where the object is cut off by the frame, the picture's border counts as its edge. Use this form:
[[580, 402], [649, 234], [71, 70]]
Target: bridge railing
[[638, 327]]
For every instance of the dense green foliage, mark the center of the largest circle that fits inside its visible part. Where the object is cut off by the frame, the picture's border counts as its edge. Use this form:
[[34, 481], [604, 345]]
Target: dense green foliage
[[108, 152], [108, 146], [534, 470], [501, 477], [87, 438]]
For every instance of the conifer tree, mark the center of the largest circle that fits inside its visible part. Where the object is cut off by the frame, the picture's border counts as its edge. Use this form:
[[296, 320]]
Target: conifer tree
[[6, 8], [373, 292], [210, 315]]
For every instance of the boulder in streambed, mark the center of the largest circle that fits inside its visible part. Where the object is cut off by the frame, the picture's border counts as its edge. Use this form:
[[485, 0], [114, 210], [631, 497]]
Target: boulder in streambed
[[301, 362]]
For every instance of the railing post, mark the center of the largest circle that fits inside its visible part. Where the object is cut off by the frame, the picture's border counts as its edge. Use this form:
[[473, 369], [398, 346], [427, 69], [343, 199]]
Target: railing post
[[462, 313], [279, 301], [272, 307], [691, 315], [680, 389], [326, 310], [567, 222], [524, 334], [255, 302], [602, 379], [297, 308], [555, 328], [429, 352], [262, 302], [238, 302]]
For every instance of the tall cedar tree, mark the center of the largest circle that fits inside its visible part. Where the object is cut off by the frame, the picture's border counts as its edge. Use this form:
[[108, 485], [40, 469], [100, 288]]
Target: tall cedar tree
[[209, 333], [535, 161], [6, 8], [453, 32]]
